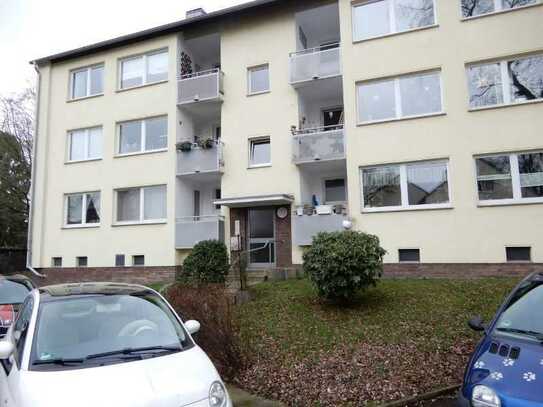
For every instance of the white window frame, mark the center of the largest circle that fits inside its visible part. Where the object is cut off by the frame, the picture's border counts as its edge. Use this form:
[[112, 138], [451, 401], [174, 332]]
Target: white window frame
[[143, 137], [83, 223], [391, 20], [87, 69], [141, 220], [250, 70], [404, 192], [87, 131], [256, 140], [498, 9], [145, 66], [398, 97], [515, 181], [505, 82]]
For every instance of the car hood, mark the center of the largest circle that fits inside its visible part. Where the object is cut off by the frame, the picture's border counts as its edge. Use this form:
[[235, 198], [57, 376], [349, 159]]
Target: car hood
[[513, 379], [173, 380]]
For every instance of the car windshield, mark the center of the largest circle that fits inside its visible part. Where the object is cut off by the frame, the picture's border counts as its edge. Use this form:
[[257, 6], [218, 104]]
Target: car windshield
[[520, 317], [98, 327], [12, 292]]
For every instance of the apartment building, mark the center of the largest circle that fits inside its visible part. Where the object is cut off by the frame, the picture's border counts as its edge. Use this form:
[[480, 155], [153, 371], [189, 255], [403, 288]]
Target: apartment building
[[419, 121]]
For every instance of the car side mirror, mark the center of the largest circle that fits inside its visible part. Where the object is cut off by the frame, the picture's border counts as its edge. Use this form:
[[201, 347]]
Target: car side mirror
[[6, 349], [192, 326], [476, 323]]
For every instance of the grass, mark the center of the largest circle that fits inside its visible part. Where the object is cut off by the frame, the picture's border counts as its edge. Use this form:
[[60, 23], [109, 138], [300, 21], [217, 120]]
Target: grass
[[431, 313]]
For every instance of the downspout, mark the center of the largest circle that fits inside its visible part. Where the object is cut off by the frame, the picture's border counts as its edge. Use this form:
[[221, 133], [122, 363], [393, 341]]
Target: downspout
[[32, 178]]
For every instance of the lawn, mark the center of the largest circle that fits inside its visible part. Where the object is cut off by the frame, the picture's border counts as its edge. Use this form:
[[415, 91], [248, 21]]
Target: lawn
[[402, 338]]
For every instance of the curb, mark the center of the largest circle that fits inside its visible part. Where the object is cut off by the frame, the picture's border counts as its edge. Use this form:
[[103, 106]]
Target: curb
[[421, 397]]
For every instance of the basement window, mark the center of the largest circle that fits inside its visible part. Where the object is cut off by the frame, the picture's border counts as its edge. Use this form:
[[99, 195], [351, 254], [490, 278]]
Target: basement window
[[409, 255], [518, 254], [119, 260], [82, 261], [56, 262], [138, 260]]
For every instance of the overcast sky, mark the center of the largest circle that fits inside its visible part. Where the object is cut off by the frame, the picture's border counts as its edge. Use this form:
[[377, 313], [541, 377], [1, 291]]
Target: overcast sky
[[35, 28]]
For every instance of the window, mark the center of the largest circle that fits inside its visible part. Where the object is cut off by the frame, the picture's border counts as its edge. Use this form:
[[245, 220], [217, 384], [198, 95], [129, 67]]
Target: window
[[334, 190], [56, 262], [506, 82], [140, 205], [218, 194], [143, 135], [260, 152], [82, 261], [377, 18], [144, 69], [119, 260], [82, 209], [510, 178], [85, 144], [258, 79], [396, 98], [406, 186], [409, 255], [518, 253], [472, 8], [138, 260], [86, 82]]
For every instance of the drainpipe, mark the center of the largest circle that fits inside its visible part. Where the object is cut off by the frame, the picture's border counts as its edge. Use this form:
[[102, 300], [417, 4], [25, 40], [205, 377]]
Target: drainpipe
[[32, 178]]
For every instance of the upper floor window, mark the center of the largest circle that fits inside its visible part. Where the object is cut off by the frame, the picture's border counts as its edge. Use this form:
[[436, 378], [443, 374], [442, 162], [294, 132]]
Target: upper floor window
[[510, 178], [505, 82], [472, 8], [396, 98], [85, 144], [82, 209], [258, 79], [260, 152], [143, 69], [373, 18], [406, 186], [138, 136], [86, 82], [142, 204]]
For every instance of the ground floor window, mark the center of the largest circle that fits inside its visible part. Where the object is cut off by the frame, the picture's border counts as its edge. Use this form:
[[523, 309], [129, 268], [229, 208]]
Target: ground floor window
[[82, 209], [142, 204]]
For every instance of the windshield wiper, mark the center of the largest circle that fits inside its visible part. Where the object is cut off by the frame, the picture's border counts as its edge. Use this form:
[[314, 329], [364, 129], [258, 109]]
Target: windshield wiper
[[533, 334], [135, 351], [59, 361]]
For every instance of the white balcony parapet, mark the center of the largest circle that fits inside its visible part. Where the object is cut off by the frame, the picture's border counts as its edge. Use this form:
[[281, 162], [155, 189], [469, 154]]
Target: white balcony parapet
[[200, 160], [305, 227], [318, 144], [190, 230], [200, 86], [315, 63]]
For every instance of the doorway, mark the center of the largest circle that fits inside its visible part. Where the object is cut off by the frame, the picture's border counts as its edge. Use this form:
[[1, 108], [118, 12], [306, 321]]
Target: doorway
[[261, 242]]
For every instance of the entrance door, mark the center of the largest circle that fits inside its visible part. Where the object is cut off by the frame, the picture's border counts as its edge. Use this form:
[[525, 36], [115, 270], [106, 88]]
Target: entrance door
[[261, 242]]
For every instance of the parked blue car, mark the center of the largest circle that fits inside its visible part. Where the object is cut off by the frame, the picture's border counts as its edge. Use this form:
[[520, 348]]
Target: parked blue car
[[506, 369]]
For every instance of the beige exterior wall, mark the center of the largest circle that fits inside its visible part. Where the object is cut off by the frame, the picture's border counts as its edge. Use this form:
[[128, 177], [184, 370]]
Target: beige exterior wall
[[466, 233], [56, 178]]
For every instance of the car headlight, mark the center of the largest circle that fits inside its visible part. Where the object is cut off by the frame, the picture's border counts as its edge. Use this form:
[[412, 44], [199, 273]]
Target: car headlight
[[217, 395], [483, 396]]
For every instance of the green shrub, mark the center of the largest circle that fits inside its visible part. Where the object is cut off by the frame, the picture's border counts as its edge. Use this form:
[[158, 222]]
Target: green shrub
[[341, 263], [207, 263]]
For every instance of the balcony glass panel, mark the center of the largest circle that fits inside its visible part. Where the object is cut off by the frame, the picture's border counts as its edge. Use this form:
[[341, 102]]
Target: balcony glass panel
[[305, 227], [200, 86], [324, 143], [315, 63], [200, 160], [191, 230]]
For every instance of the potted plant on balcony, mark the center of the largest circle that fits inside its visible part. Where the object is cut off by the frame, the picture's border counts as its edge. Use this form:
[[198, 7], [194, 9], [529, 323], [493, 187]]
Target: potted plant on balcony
[[206, 143], [184, 146]]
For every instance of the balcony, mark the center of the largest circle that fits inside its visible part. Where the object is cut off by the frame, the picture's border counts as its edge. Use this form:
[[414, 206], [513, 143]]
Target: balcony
[[190, 230], [306, 225], [200, 87], [315, 63], [318, 144], [193, 159]]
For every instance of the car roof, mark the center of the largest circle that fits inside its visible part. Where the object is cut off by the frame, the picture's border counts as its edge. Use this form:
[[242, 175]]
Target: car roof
[[535, 276], [91, 288], [14, 277]]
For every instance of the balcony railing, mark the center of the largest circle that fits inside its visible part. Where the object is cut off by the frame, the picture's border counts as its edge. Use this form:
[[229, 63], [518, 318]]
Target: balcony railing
[[318, 144], [305, 227], [200, 86], [199, 159], [190, 230], [315, 63]]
